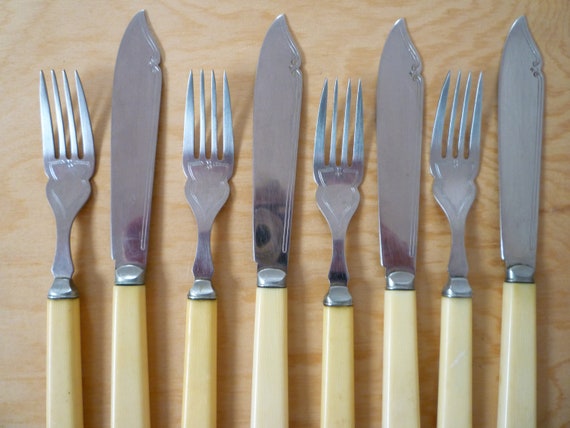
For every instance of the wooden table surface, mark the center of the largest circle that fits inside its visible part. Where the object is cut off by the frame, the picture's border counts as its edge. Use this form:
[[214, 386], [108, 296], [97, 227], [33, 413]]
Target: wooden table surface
[[336, 39]]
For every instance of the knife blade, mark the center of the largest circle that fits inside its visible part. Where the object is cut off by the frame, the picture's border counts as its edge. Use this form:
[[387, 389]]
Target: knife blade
[[276, 117], [520, 116], [399, 114], [134, 127]]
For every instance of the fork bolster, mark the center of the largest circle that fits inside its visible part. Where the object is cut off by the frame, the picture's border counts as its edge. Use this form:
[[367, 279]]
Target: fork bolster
[[63, 288], [457, 287], [202, 290], [129, 275], [338, 295]]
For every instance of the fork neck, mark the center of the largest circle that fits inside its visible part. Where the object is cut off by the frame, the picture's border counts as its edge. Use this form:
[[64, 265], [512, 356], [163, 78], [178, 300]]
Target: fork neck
[[338, 294]]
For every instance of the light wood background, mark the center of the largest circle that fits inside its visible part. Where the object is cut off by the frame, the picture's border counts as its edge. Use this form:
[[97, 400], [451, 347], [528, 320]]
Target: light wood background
[[343, 39]]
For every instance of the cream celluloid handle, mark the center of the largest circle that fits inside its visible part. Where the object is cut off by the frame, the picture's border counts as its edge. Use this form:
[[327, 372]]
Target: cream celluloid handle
[[64, 399], [269, 399], [130, 394], [200, 365], [337, 393], [400, 388], [517, 376], [455, 359]]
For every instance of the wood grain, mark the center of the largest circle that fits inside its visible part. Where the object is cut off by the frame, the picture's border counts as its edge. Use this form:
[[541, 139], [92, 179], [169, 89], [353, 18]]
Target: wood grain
[[337, 39]]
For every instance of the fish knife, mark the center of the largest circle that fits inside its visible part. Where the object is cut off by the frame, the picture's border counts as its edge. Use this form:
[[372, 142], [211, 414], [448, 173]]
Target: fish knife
[[520, 116], [137, 88], [399, 115], [276, 117]]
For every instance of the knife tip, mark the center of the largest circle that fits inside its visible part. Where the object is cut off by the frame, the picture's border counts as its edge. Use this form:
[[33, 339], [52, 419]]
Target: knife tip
[[400, 22], [520, 24]]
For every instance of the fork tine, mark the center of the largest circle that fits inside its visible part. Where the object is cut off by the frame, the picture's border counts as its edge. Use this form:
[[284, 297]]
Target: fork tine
[[202, 117], [227, 130], [45, 115], [358, 147], [319, 153], [345, 128], [437, 134], [214, 118], [59, 117], [70, 117], [332, 157], [475, 137], [86, 130], [463, 122], [451, 130], [188, 139]]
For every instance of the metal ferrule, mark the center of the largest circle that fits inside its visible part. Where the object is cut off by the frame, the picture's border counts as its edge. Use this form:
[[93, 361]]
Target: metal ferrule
[[129, 275], [338, 295], [63, 288], [271, 278], [399, 280], [520, 273], [202, 290], [457, 287]]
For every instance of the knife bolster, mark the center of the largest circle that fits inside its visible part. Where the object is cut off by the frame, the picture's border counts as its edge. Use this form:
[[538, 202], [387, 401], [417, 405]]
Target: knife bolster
[[271, 278], [520, 273], [202, 290], [400, 280], [457, 287], [129, 275]]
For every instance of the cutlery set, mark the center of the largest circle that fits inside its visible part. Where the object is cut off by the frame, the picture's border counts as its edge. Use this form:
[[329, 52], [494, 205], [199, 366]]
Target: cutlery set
[[338, 172]]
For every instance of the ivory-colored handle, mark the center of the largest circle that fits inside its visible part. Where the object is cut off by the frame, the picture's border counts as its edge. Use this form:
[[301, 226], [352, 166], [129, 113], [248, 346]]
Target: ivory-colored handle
[[130, 405], [517, 376], [200, 365], [455, 364], [400, 388], [337, 393], [269, 400], [64, 398]]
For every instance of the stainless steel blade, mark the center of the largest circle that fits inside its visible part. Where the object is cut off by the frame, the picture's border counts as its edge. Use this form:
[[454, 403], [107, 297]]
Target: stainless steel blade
[[276, 116], [520, 115], [399, 115], [134, 126]]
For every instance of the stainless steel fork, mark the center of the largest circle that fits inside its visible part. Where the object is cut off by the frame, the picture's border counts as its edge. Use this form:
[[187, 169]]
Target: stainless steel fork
[[338, 198], [69, 169], [207, 190], [454, 167]]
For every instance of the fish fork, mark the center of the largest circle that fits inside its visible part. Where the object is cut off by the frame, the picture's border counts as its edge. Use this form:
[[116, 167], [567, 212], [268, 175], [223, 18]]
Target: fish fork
[[338, 198], [67, 190], [454, 167], [207, 190]]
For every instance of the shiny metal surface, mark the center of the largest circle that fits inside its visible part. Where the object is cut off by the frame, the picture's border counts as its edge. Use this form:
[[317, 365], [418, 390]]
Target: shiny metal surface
[[134, 126], [69, 166], [338, 181], [399, 115], [520, 116], [207, 187], [276, 116], [454, 164]]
